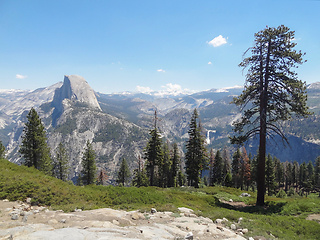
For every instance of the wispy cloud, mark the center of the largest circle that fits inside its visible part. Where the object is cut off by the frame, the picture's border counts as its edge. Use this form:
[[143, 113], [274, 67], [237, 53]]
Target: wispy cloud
[[21, 76], [144, 89], [161, 70], [209, 63], [218, 41]]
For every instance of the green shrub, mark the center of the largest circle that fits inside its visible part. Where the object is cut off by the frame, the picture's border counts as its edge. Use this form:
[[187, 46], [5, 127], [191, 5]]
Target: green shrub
[[281, 194], [291, 192]]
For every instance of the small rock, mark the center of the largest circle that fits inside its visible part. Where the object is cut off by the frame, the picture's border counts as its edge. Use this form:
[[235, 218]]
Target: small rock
[[62, 221], [245, 230], [61, 211], [141, 231], [135, 216], [7, 237], [192, 215], [36, 211], [230, 200], [22, 213], [25, 218], [153, 210], [8, 209], [233, 227], [225, 220], [115, 222], [240, 219], [245, 195], [208, 230], [189, 235], [77, 210], [28, 200], [259, 238], [218, 221], [53, 221], [251, 238], [15, 217], [220, 228], [5, 200]]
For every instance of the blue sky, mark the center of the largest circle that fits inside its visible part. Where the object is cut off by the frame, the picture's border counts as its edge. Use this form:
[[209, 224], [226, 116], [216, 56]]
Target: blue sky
[[139, 45]]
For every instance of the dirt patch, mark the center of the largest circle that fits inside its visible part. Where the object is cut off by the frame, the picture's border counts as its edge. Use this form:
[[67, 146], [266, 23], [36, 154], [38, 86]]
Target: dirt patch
[[314, 217], [235, 204]]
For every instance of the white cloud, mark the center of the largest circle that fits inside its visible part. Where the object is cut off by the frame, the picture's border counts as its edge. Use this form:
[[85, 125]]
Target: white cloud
[[144, 89], [172, 88], [169, 89], [209, 63], [218, 41], [20, 76], [161, 70]]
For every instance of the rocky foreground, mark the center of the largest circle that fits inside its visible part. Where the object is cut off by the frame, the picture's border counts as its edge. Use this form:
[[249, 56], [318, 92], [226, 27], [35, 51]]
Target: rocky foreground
[[20, 220]]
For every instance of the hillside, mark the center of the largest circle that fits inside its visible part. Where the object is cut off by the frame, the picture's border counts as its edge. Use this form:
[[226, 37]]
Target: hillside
[[283, 218]]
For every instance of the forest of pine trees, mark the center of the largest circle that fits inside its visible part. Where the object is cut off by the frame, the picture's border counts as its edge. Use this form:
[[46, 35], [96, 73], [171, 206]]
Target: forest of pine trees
[[161, 164]]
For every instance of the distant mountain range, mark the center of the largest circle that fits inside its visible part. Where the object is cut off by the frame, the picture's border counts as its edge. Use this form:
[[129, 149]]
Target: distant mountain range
[[118, 124]]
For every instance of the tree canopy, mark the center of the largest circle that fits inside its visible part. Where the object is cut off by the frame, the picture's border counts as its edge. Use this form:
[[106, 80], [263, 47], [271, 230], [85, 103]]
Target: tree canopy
[[34, 148], [196, 153], [2, 151], [272, 94], [153, 152], [61, 163], [124, 173], [88, 165]]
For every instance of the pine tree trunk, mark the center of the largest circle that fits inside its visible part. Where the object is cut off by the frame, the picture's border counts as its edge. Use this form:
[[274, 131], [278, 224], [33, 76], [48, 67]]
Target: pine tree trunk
[[263, 128]]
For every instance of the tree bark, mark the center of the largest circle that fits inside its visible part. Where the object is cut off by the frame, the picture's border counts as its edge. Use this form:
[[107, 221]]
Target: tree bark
[[263, 127]]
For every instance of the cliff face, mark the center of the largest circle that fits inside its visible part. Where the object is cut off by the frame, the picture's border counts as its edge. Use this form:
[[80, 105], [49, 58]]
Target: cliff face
[[75, 88], [73, 117]]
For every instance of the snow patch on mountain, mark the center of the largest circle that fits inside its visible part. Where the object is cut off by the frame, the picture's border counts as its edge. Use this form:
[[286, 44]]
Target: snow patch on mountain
[[227, 89]]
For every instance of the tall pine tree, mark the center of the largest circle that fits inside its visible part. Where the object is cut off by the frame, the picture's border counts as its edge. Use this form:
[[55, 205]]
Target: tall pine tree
[[218, 175], [153, 152], [317, 174], [245, 169], [60, 163], [270, 176], [89, 169], [140, 177], [236, 159], [195, 155], [211, 161], [124, 173], [175, 163], [34, 148], [272, 93], [2, 151]]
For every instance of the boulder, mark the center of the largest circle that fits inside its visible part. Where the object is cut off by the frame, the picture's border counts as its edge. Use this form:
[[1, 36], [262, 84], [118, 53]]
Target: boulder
[[245, 195], [189, 235], [15, 217], [233, 227]]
